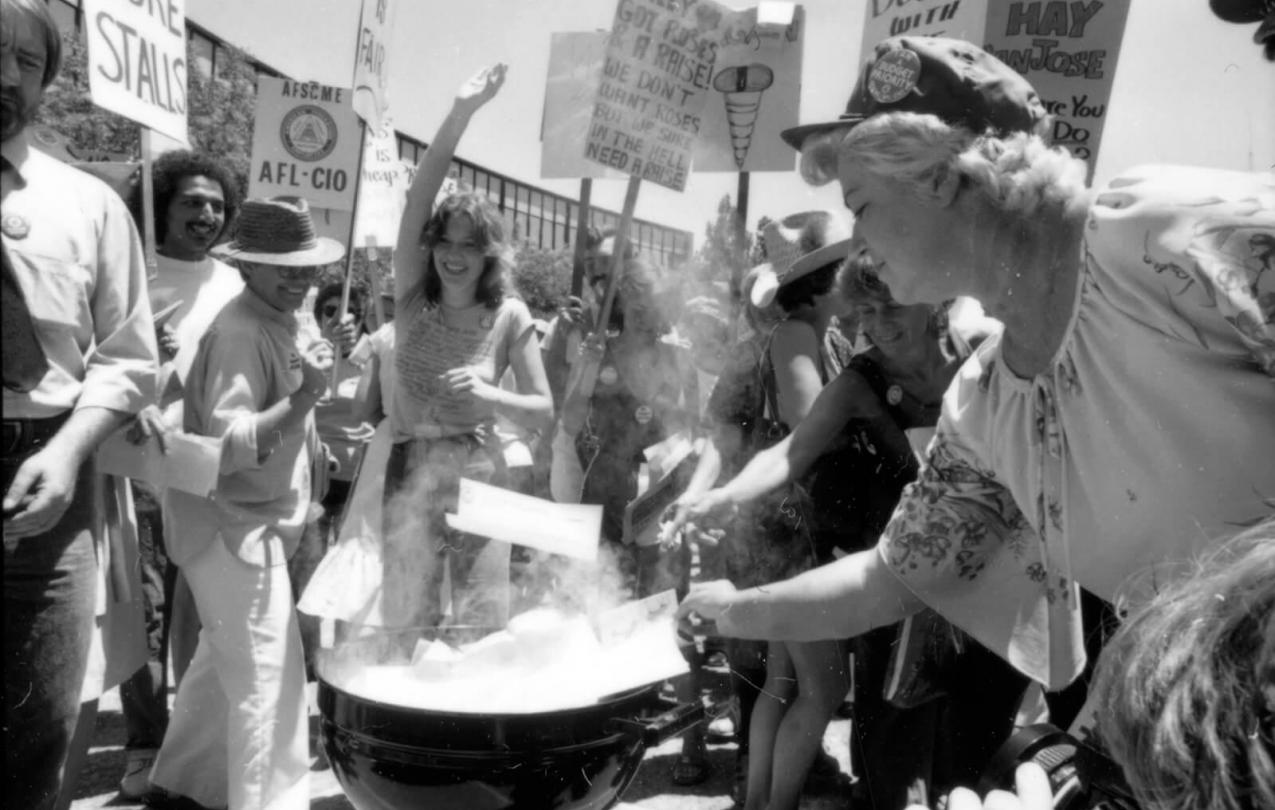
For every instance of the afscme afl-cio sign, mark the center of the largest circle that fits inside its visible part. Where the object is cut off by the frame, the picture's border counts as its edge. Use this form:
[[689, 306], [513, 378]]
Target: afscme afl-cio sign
[[137, 61], [305, 143]]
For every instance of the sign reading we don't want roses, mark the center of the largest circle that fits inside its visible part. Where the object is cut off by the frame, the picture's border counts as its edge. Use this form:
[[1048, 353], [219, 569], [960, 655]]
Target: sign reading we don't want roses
[[656, 77]]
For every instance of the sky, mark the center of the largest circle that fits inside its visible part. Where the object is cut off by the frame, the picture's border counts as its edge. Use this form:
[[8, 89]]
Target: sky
[[1189, 88]]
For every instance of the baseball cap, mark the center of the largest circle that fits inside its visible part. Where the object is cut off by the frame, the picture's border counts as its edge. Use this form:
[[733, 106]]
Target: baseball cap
[[960, 83]]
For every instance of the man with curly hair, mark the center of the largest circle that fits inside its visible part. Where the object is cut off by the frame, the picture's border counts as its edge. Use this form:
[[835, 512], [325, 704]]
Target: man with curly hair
[[196, 199]]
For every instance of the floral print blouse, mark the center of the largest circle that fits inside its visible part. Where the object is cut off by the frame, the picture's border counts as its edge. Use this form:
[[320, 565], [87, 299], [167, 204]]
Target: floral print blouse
[[1150, 437]]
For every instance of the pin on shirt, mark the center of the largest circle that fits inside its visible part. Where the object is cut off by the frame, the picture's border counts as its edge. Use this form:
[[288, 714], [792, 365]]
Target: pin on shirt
[[15, 226]]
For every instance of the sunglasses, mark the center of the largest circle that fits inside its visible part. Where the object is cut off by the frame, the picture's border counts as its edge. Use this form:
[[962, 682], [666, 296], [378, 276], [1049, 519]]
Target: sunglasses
[[330, 311], [296, 273]]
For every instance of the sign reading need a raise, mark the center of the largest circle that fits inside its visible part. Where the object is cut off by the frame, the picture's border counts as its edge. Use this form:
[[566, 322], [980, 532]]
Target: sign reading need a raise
[[655, 79]]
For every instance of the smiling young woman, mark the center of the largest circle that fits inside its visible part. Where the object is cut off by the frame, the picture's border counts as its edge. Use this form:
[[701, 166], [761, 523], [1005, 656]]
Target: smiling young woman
[[459, 329]]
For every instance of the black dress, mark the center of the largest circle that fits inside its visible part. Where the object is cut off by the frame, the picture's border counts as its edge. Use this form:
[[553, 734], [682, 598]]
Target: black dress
[[917, 754]]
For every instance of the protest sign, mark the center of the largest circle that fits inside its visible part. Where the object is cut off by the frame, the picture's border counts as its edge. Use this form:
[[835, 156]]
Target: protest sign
[[575, 68], [756, 95], [305, 142], [382, 188], [960, 19], [371, 63], [1068, 51], [137, 61], [656, 76]]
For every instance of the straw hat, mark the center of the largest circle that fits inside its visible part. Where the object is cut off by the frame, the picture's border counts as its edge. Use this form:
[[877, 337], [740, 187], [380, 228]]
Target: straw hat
[[795, 246], [279, 231]]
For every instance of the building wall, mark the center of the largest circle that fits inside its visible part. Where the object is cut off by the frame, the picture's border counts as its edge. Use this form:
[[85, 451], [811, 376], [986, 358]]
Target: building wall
[[533, 214]]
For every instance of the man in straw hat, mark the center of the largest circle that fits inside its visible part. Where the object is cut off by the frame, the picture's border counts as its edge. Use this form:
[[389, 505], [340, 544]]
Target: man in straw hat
[[238, 732]]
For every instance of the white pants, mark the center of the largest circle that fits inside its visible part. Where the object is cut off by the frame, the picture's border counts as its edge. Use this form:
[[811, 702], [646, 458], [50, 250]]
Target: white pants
[[239, 731]]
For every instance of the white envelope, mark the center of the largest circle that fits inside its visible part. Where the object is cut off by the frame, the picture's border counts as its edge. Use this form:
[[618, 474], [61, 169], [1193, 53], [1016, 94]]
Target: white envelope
[[191, 464], [571, 529]]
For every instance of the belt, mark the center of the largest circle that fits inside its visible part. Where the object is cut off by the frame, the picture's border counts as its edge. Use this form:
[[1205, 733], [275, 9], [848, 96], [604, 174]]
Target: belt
[[23, 436]]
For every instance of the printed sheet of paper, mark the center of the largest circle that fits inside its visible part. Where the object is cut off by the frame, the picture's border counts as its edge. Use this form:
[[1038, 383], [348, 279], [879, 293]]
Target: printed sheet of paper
[[191, 464], [571, 529], [642, 514]]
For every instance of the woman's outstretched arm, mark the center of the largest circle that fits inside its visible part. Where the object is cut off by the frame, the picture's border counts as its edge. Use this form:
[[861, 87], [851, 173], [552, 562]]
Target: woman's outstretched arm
[[409, 269], [842, 599]]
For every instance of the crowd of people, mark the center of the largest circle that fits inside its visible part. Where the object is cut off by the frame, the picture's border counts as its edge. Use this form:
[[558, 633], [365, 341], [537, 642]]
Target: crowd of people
[[884, 493]]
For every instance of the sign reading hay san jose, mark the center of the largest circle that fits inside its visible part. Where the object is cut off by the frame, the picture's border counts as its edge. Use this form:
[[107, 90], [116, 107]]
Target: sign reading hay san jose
[[305, 143], [656, 76], [1067, 49], [137, 61]]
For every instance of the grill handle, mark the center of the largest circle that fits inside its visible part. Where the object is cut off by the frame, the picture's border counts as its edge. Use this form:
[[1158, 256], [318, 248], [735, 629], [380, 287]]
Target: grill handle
[[675, 719]]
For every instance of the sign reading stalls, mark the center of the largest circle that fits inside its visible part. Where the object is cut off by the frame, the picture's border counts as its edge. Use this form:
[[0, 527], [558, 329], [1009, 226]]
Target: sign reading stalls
[[137, 61], [305, 143]]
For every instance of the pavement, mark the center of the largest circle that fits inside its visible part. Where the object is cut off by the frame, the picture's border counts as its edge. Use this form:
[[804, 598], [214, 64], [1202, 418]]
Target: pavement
[[652, 789]]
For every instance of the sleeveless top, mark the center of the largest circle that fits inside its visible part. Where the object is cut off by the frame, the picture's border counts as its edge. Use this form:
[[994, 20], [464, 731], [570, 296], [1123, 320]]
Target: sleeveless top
[[857, 482]]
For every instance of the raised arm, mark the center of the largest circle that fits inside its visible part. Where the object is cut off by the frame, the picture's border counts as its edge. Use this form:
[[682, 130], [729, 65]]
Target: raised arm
[[409, 270]]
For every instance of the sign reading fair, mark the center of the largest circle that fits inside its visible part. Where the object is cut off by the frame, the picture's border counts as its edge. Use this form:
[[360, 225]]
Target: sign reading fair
[[137, 61], [656, 76], [305, 143], [371, 65]]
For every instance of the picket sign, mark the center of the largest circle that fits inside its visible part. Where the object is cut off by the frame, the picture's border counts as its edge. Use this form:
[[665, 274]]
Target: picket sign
[[584, 369]]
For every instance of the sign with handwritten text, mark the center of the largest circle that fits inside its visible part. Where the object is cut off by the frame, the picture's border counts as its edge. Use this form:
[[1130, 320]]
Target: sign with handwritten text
[[371, 62], [656, 76], [959, 19], [305, 143], [382, 187], [137, 61], [1068, 51]]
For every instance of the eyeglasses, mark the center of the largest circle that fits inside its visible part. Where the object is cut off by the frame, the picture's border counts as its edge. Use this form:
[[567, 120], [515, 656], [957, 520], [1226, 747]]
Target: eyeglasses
[[296, 273]]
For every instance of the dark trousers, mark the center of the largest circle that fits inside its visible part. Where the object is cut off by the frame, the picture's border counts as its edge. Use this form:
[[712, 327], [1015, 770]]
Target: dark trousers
[[422, 482], [916, 755], [49, 590], [144, 696]]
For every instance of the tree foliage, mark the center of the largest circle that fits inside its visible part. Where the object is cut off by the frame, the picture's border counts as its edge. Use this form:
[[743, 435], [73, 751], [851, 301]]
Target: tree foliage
[[219, 110], [542, 277], [95, 133], [725, 257]]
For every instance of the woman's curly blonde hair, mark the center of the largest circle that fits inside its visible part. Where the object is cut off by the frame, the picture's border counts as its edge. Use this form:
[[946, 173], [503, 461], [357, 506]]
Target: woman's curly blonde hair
[[1187, 686], [1019, 173]]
